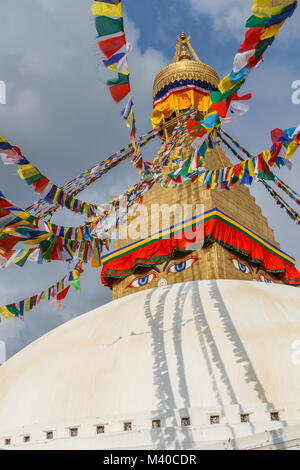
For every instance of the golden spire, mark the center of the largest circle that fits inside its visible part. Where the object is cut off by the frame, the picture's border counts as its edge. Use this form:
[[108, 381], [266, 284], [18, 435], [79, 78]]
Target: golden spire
[[184, 50], [184, 67]]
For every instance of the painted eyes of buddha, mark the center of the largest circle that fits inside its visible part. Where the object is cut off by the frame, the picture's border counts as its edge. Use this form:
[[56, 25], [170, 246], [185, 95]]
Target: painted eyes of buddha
[[182, 265], [247, 269], [143, 281], [263, 278], [244, 268], [175, 267]]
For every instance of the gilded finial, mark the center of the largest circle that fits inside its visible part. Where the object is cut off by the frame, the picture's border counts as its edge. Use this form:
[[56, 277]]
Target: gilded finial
[[184, 50]]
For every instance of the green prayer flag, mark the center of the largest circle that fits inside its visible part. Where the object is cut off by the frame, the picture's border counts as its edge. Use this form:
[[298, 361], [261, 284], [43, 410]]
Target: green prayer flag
[[257, 22], [47, 247], [217, 96], [76, 285], [262, 46], [265, 175], [13, 310], [120, 80], [25, 257], [106, 26]]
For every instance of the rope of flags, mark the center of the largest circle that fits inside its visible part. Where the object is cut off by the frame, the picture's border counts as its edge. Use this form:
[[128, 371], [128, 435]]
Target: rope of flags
[[110, 25], [285, 143], [279, 200], [42, 185], [55, 294], [281, 184], [263, 26], [43, 208]]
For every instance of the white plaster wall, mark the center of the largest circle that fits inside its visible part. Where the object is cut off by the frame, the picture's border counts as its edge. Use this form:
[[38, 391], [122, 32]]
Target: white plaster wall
[[193, 349]]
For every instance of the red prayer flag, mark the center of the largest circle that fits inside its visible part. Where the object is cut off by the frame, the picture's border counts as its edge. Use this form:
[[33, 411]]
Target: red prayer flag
[[18, 150], [195, 128], [41, 185], [118, 92], [63, 293], [8, 243], [110, 46], [252, 38]]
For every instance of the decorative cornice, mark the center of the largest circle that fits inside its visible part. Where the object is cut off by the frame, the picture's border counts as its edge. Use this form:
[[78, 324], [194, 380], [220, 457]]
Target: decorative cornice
[[185, 69]]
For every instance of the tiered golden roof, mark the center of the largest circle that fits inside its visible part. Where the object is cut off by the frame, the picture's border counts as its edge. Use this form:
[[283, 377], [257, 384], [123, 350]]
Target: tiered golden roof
[[183, 67]]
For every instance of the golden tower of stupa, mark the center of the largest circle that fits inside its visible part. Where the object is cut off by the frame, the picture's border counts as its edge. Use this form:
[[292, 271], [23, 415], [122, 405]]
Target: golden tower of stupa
[[213, 260]]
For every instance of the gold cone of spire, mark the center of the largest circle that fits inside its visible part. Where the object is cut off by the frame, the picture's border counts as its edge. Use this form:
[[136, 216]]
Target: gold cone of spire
[[184, 67]]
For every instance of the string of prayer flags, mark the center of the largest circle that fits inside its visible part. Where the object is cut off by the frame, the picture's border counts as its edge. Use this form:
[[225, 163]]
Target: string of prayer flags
[[283, 204], [44, 209], [260, 35], [109, 21], [279, 200], [263, 26], [42, 185], [17, 226], [54, 294]]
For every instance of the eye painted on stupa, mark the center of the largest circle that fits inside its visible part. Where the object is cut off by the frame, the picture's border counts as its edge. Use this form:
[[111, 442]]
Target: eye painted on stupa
[[263, 278], [142, 281], [182, 265], [244, 268]]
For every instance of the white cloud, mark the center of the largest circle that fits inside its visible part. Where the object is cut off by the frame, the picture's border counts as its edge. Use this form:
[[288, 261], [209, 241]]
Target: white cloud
[[227, 16], [26, 110]]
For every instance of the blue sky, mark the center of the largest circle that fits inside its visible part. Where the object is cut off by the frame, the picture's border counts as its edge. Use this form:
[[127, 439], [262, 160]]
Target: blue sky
[[59, 112]]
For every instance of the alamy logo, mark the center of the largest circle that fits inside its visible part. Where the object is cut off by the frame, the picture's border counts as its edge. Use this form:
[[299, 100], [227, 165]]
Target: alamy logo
[[2, 92], [296, 94]]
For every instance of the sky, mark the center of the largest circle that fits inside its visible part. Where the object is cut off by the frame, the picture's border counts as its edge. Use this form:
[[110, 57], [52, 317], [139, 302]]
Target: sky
[[58, 110]]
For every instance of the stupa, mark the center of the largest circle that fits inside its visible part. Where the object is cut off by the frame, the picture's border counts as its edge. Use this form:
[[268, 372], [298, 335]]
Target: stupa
[[198, 349], [183, 84]]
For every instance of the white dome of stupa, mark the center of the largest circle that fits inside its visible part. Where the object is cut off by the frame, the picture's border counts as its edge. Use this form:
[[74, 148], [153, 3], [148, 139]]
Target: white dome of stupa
[[203, 364]]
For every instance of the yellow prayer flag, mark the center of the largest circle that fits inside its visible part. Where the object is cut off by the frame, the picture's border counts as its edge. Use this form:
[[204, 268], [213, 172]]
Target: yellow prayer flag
[[272, 31], [56, 196], [214, 180], [6, 313], [72, 203], [225, 84], [107, 9], [27, 305], [292, 147], [267, 155], [43, 296], [251, 167], [26, 171], [114, 68], [75, 274], [264, 8], [37, 240], [229, 174]]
